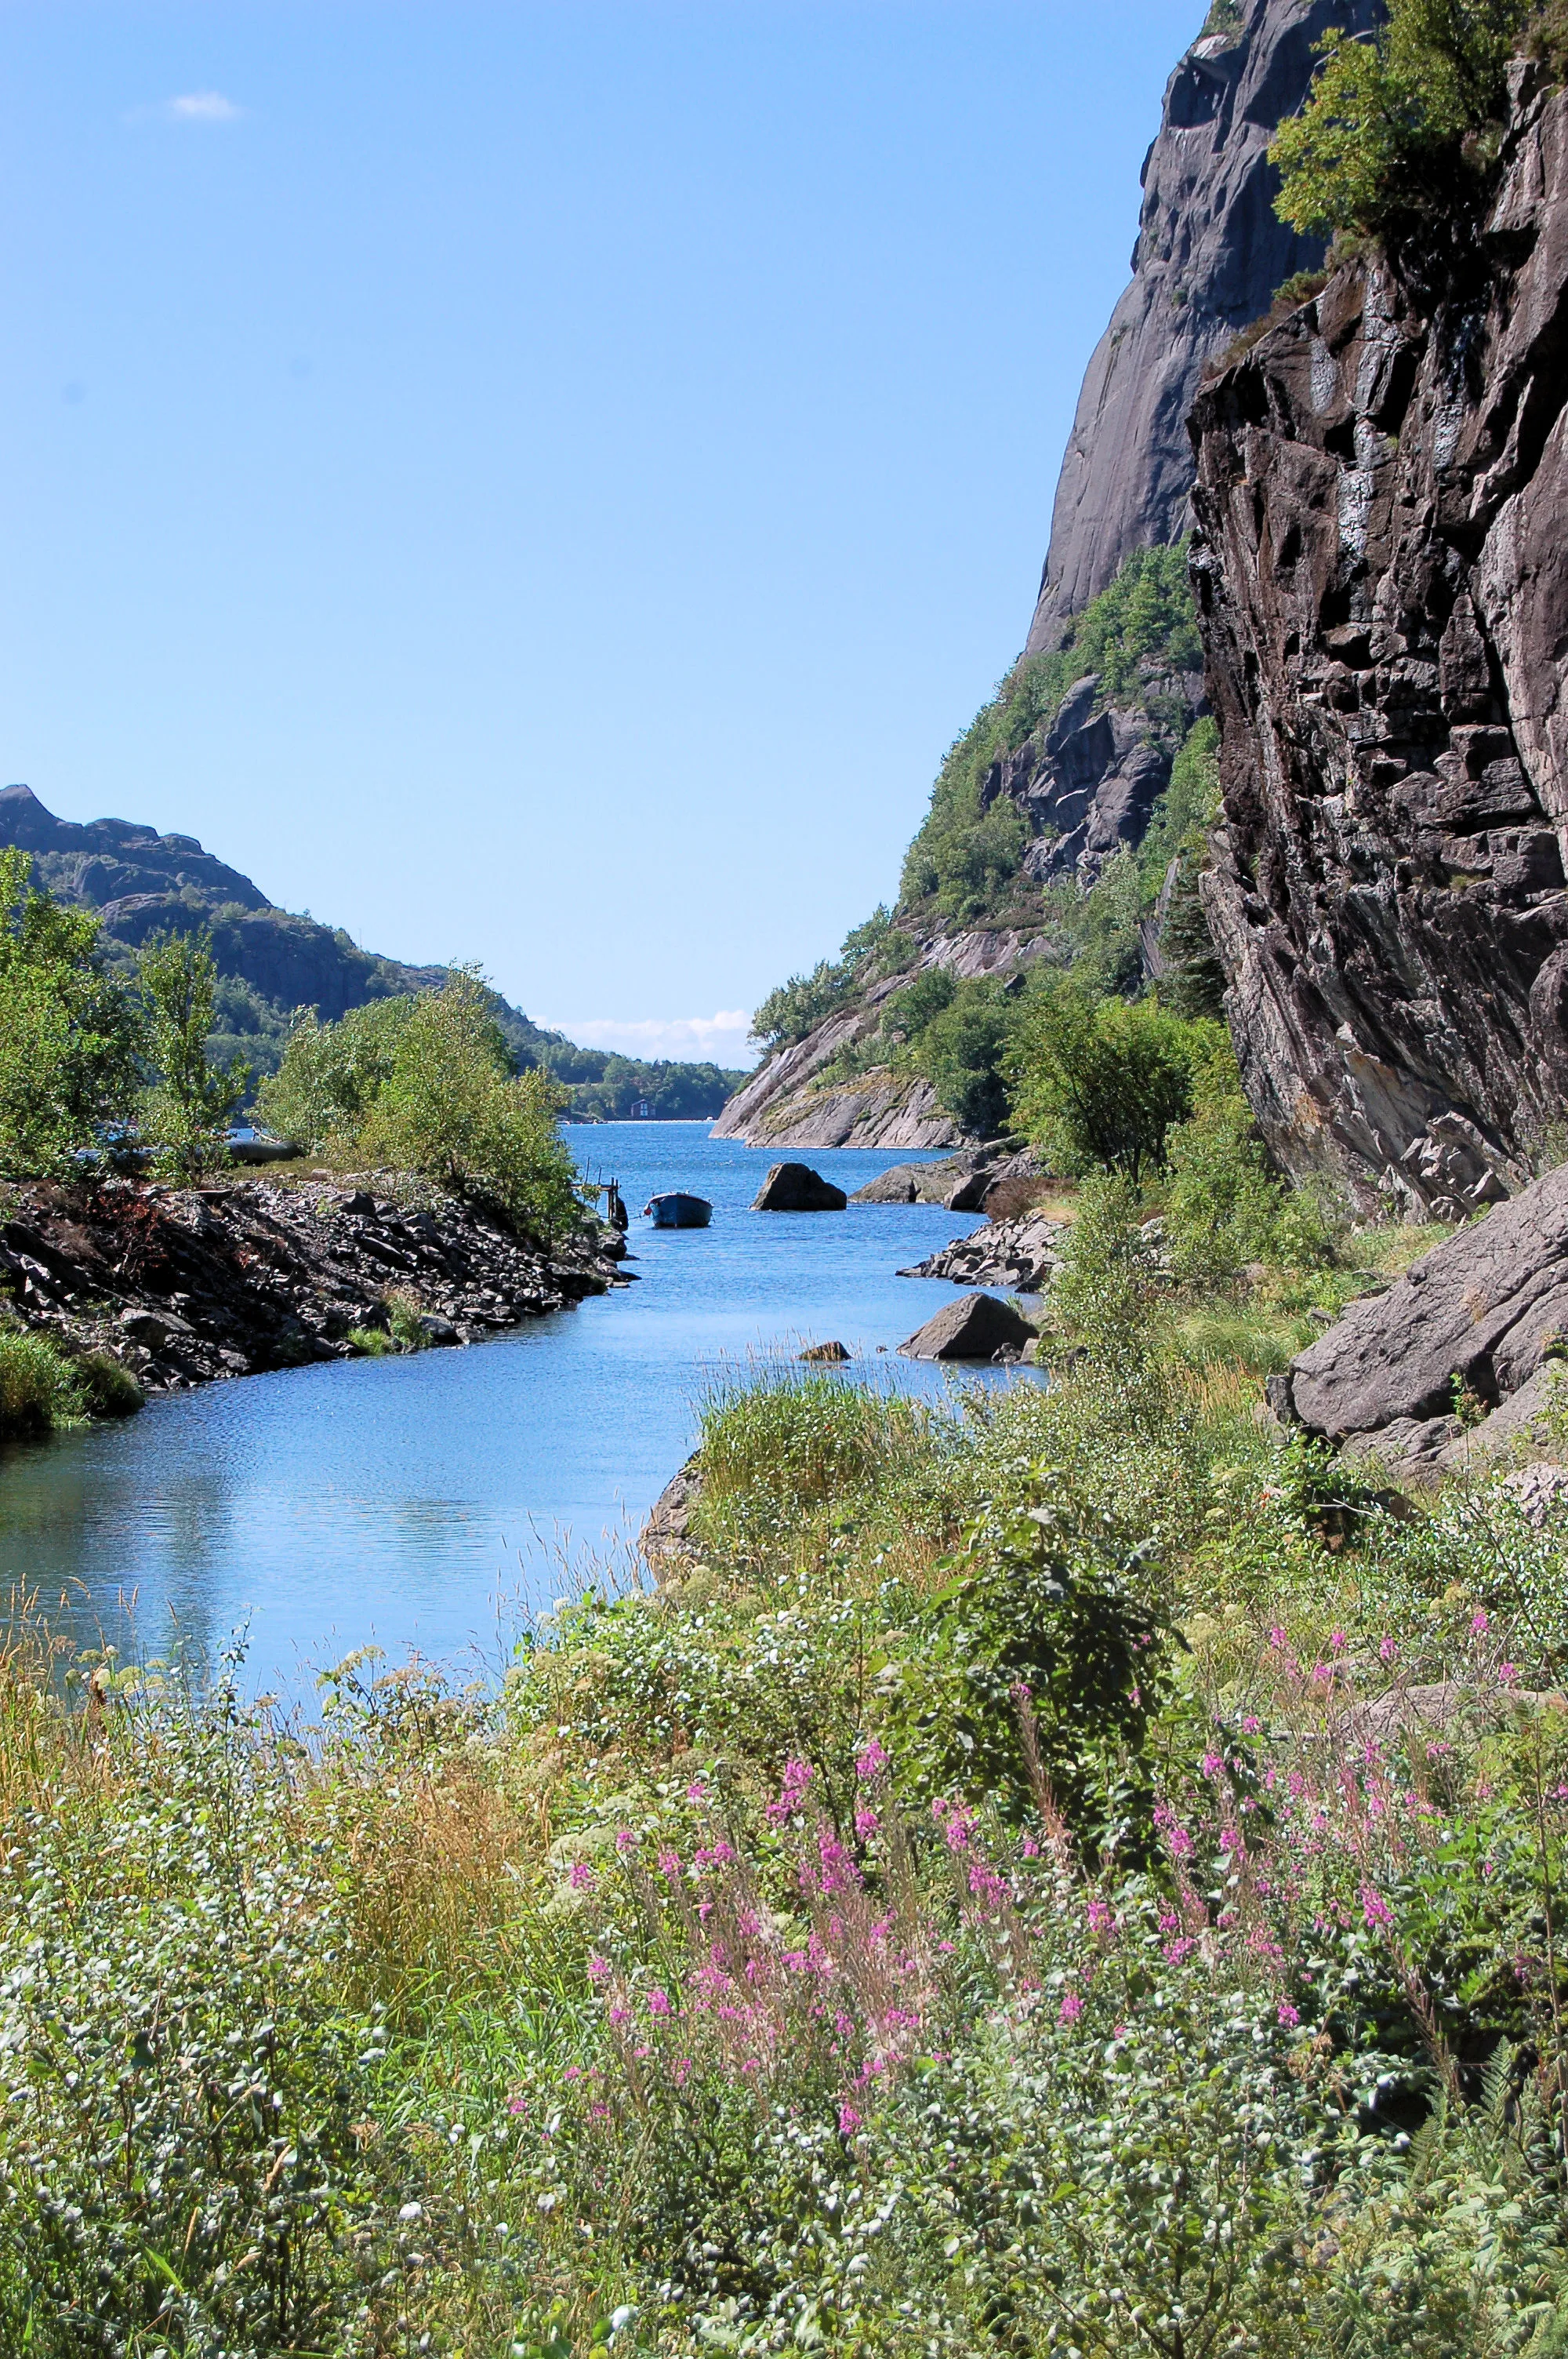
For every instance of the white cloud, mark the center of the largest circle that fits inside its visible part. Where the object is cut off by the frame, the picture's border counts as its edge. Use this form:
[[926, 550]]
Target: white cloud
[[203, 106], [720, 1038]]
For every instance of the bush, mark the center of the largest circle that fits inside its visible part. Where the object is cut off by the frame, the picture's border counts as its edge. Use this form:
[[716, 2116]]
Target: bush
[[331, 1075], [186, 1113], [106, 1386], [961, 1050], [1397, 128], [69, 1033], [797, 1006], [39, 1388], [1100, 1083]]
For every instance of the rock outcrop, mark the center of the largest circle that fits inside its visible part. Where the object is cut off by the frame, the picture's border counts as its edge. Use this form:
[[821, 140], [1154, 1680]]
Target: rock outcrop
[[188, 1285], [1210, 253], [977, 1328], [796, 1187], [1022, 1254], [1478, 1325], [958, 1182], [1382, 572]]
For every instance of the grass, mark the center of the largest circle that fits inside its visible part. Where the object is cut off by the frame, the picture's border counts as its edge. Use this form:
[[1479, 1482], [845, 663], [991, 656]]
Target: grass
[[40, 1388]]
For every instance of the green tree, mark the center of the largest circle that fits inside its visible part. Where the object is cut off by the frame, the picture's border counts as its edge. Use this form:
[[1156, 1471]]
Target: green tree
[[331, 1075], [69, 1031], [961, 1051], [1399, 125], [190, 1105], [1099, 1083], [451, 1109]]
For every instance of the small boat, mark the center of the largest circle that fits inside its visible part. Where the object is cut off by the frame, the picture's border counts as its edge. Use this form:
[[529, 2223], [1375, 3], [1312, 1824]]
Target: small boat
[[678, 1211]]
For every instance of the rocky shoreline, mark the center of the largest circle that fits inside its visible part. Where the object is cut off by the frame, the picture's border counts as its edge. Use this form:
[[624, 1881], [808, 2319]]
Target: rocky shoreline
[[188, 1286]]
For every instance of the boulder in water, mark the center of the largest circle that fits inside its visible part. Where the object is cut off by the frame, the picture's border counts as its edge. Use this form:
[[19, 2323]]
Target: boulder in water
[[978, 1327], [796, 1187]]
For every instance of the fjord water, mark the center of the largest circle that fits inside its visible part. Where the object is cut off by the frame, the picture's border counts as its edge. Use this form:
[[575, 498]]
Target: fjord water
[[419, 1504]]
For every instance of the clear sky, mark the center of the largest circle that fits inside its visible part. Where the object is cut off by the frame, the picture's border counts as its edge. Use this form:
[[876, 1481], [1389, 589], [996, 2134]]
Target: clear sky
[[546, 482]]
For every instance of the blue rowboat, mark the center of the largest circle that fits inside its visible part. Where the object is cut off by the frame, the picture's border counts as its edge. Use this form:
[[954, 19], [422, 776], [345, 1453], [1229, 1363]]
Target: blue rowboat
[[677, 1211]]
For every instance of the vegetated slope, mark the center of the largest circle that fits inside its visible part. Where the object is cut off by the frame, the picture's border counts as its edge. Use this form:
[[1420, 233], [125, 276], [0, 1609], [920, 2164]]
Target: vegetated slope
[[1383, 503], [1066, 766], [272, 961]]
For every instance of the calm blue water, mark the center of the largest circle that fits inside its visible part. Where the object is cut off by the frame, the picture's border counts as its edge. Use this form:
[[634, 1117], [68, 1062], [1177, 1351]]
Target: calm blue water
[[418, 1504]]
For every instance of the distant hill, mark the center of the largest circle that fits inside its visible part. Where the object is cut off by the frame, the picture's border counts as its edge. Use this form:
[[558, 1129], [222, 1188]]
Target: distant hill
[[271, 960]]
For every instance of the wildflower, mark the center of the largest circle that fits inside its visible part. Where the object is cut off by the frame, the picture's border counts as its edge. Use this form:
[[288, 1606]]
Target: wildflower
[[1031, 1849], [871, 1762], [1251, 1725], [848, 2121], [1072, 2007], [696, 1791], [658, 2002], [1374, 1909], [1276, 1637], [1508, 1674], [625, 1839], [1101, 1919], [1386, 1650], [1213, 1763], [619, 2015], [1289, 2015], [1337, 1641], [1479, 1625], [598, 1967], [867, 1824], [580, 1877], [669, 1864]]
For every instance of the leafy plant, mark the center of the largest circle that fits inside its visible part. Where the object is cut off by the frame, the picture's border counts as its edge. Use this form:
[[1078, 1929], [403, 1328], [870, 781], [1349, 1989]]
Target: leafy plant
[[1100, 1083], [189, 1106], [69, 1035]]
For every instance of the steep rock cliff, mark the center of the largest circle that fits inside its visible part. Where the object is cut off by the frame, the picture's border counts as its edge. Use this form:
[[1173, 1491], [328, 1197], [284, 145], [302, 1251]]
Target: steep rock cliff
[[1382, 571], [1210, 253]]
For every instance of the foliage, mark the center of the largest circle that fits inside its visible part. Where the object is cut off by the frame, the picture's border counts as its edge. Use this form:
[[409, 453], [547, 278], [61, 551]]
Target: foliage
[[192, 1102], [450, 1109], [39, 1388], [1399, 128], [331, 1075], [961, 1050], [601, 1086], [106, 1386], [797, 1006], [1101, 1084], [971, 845], [69, 1034]]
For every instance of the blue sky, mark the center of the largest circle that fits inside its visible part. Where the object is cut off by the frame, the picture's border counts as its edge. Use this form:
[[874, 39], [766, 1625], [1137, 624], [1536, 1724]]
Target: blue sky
[[546, 482]]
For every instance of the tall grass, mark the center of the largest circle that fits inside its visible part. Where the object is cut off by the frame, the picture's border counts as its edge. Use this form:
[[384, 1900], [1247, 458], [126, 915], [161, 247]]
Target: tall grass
[[39, 1388]]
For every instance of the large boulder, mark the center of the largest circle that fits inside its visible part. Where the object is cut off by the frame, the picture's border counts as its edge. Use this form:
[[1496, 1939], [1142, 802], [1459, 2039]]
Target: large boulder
[[796, 1187], [1489, 1308], [977, 1328], [1022, 1254]]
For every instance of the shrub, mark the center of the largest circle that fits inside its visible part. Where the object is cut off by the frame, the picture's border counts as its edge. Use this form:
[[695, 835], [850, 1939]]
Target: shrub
[[961, 1050], [1100, 1085], [106, 1386], [331, 1075], [69, 1032], [39, 1385], [1395, 131], [186, 1112], [451, 1110]]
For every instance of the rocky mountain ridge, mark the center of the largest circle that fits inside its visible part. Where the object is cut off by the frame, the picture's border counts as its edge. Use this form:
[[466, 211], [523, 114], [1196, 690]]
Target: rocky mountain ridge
[[1210, 254], [1382, 576]]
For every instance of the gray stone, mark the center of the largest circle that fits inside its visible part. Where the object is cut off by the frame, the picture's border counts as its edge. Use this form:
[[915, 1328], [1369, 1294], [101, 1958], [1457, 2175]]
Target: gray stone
[[826, 1352], [796, 1187], [663, 1542], [1471, 1309], [978, 1327], [1022, 1254]]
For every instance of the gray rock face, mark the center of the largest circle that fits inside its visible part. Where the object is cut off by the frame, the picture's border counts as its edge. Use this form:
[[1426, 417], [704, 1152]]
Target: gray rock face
[[796, 1187], [1210, 253], [958, 1182], [1023, 1254], [1090, 788], [977, 1328], [665, 1541], [1488, 1306], [1383, 514]]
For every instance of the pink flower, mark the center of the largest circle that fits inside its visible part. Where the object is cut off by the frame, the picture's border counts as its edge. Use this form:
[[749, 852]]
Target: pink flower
[[1276, 1637], [871, 1762], [866, 1823], [848, 2121], [1374, 1909], [658, 2002], [1101, 1919], [1031, 1849], [1213, 1763], [1508, 1674], [625, 1839], [1386, 1650], [580, 1877], [696, 1791], [598, 1967], [669, 1864], [1479, 1625], [1251, 1725], [1289, 2015], [1072, 2007], [1339, 1641]]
